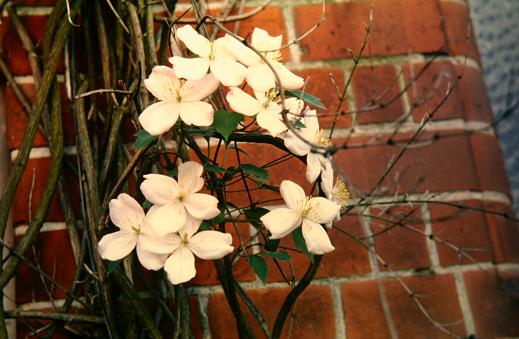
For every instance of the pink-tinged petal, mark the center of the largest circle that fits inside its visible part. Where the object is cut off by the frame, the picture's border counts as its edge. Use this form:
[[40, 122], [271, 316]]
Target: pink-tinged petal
[[201, 206], [316, 238], [288, 79], [229, 72], [117, 245], [167, 219], [327, 180], [190, 68], [242, 103], [313, 166], [126, 213], [180, 266], [241, 52], [149, 260], [269, 120], [294, 143], [262, 41], [159, 117], [164, 245], [211, 245], [197, 113], [159, 189], [197, 90], [293, 195], [190, 227], [322, 210], [194, 41], [162, 83], [281, 221], [189, 176], [260, 78]]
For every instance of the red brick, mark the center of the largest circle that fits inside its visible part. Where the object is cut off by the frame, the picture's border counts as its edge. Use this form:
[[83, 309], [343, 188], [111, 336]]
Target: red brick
[[457, 25], [365, 316], [488, 159], [348, 258], [494, 303], [473, 94], [428, 89], [306, 321], [464, 228], [423, 25], [400, 247], [16, 117], [53, 254], [320, 85], [443, 164], [377, 86], [504, 233]]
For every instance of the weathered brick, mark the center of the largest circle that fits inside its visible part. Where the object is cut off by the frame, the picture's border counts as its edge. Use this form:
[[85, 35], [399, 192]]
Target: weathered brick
[[423, 25], [400, 247], [303, 323], [504, 233], [493, 302], [473, 94], [377, 86], [428, 85], [457, 27], [464, 228]]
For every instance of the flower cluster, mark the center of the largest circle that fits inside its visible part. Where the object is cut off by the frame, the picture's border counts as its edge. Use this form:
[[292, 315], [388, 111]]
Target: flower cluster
[[167, 235]]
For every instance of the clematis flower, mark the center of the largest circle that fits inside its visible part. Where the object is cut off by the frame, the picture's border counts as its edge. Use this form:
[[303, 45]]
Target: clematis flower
[[211, 55], [312, 136], [337, 193], [265, 107], [259, 75], [182, 247], [307, 212], [128, 215], [177, 98], [175, 200]]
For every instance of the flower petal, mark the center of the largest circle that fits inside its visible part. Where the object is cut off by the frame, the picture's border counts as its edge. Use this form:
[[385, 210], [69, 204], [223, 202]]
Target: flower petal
[[161, 82], [189, 68], [241, 102], [322, 210], [197, 113], [167, 219], [117, 245], [159, 244], [180, 266], [327, 180], [126, 213], [194, 41], [294, 106], [270, 120], [241, 52], [262, 41], [294, 143], [229, 72], [281, 221], [201, 206], [190, 227], [159, 189], [313, 166], [189, 176], [293, 194], [210, 245], [260, 77], [196, 90], [149, 260], [288, 79], [316, 238], [159, 117]]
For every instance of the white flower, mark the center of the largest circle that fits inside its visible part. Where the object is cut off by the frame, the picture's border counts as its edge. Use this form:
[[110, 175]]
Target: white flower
[[337, 193], [309, 212], [177, 98], [307, 137], [212, 55], [182, 248], [128, 215], [175, 200], [259, 76]]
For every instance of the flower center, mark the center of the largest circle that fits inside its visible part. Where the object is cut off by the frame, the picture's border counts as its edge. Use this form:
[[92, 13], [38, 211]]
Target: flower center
[[185, 239], [306, 207], [321, 139], [340, 193], [181, 196], [136, 229], [212, 55]]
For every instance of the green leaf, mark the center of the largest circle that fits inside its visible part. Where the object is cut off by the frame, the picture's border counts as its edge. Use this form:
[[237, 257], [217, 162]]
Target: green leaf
[[225, 122], [259, 266], [146, 204], [208, 224], [277, 255], [205, 225], [143, 139], [308, 98], [261, 174], [300, 242], [213, 168], [272, 245], [112, 265], [255, 212], [299, 124]]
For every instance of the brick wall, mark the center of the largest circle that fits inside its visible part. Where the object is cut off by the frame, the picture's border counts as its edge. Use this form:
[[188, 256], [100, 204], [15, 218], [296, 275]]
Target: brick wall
[[457, 160]]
